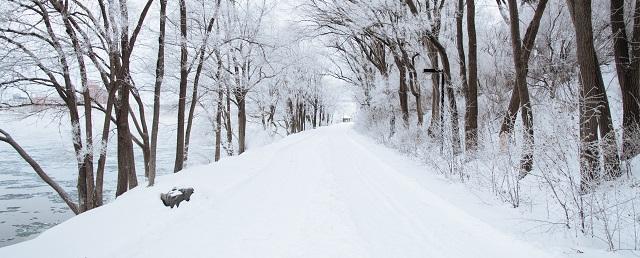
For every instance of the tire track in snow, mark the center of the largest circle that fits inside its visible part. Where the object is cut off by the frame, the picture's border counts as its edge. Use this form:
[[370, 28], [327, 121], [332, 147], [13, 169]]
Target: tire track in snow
[[385, 211], [457, 233]]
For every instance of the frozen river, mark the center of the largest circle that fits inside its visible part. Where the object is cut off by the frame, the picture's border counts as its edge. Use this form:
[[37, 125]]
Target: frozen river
[[28, 206]]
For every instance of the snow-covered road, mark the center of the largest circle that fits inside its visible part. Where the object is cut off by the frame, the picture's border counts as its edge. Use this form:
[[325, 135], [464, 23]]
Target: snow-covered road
[[328, 192]]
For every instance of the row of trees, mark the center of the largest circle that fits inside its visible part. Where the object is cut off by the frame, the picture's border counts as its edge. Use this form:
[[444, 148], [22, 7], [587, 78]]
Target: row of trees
[[381, 41], [228, 63]]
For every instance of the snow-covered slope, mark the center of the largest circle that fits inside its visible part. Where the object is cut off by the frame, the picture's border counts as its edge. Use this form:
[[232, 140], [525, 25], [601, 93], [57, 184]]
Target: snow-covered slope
[[324, 193]]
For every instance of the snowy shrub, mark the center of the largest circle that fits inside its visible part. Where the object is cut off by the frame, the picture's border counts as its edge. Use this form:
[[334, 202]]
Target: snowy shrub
[[550, 194]]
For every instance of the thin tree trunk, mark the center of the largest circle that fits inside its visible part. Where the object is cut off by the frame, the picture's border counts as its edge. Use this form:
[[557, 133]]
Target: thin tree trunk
[[471, 94], [194, 96], [321, 116], [627, 57], [102, 160], [292, 121], [143, 130], [156, 94], [263, 118], [508, 123], [70, 100], [218, 125], [85, 184], [460, 43], [455, 124], [296, 117], [414, 86], [242, 120], [219, 107], [304, 116], [184, 73], [272, 113], [89, 186], [608, 144], [434, 125], [453, 109], [506, 129], [402, 92], [301, 113], [228, 127], [299, 117], [526, 162], [192, 107], [315, 113]]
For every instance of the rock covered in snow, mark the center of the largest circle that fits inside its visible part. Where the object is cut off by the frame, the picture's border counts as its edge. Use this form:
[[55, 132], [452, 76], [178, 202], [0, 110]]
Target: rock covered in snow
[[175, 196]]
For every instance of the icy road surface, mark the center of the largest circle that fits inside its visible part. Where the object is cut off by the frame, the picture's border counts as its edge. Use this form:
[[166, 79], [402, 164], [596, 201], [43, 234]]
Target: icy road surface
[[324, 193]]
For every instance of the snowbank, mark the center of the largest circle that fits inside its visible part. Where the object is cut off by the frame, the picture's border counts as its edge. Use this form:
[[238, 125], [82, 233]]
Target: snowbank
[[324, 193]]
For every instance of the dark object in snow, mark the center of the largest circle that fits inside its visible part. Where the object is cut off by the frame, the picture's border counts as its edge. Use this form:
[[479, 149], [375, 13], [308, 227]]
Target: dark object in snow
[[175, 196]]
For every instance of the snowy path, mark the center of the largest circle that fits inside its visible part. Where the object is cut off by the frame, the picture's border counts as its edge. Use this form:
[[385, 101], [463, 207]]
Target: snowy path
[[323, 193]]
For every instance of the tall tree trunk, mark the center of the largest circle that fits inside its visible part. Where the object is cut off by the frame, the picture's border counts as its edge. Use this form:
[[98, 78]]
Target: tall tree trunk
[[402, 92], [292, 116], [89, 185], [126, 164], [102, 159], [301, 115], [298, 116], [508, 123], [196, 81], [526, 162], [85, 183], [219, 111], [70, 96], [321, 115], [272, 113], [219, 107], [471, 114], [119, 61], [589, 153], [242, 120], [182, 95], [592, 96], [156, 94], [143, 130], [453, 108], [608, 144], [192, 108], [434, 125], [417, 94], [414, 85], [304, 116], [228, 128], [315, 113], [92, 193], [455, 124], [460, 43], [627, 57], [506, 129], [263, 118]]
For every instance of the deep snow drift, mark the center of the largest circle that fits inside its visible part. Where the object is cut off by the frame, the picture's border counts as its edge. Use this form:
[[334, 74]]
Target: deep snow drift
[[328, 192]]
